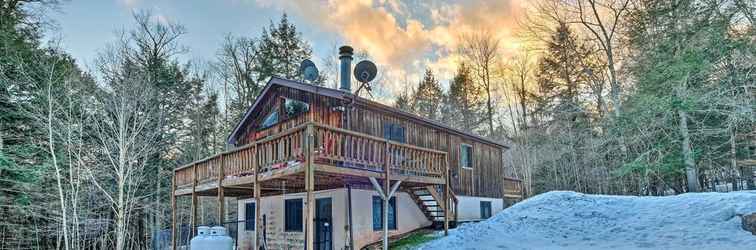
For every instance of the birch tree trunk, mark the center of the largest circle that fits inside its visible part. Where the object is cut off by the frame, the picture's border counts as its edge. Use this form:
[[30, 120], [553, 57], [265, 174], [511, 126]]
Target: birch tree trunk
[[690, 164], [51, 147]]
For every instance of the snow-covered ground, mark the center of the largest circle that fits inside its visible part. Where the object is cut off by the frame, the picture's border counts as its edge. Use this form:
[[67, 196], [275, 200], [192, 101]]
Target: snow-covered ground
[[570, 220]]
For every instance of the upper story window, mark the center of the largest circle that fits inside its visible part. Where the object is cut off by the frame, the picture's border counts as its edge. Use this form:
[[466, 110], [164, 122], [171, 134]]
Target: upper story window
[[466, 156], [394, 132], [293, 108], [289, 108], [270, 120]]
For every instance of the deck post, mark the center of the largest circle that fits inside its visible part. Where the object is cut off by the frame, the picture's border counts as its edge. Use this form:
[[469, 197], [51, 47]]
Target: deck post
[[257, 186], [387, 197], [258, 217], [173, 212], [221, 194], [309, 187], [194, 202], [446, 196]]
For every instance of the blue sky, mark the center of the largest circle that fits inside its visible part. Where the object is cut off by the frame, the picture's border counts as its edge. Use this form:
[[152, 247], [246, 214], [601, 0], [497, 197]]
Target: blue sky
[[402, 37]]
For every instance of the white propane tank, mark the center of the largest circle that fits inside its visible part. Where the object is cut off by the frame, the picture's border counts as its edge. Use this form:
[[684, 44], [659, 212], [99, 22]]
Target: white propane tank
[[220, 240], [200, 241]]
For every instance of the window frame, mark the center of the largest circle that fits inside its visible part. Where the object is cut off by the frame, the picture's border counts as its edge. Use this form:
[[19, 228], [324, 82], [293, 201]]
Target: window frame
[[247, 220], [489, 209], [282, 115], [391, 128], [278, 119], [289, 225], [392, 207], [470, 156], [286, 114]]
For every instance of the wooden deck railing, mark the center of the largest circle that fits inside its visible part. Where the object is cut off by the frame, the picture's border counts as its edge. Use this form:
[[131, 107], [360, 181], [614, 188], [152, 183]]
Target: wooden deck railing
[[347, 148], [512, 188], [332, 146]]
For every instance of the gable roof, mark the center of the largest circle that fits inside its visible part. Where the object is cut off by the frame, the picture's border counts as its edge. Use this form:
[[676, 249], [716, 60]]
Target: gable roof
[[338, 94]]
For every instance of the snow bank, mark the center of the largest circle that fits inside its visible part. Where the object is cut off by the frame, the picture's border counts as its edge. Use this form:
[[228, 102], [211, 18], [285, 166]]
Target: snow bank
[[570, 220]]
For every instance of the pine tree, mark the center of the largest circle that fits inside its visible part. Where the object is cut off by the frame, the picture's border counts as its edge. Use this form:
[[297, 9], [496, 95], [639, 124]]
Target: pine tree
[[465, 102], [280, 50], [404, 102], [561, 75], [428, 97]]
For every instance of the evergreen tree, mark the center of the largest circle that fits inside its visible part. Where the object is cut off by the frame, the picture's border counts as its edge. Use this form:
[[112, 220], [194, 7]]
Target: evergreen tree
[[465, 102], [561, 75], [404, 102], [691, 94], [280, 50], [428, 97]]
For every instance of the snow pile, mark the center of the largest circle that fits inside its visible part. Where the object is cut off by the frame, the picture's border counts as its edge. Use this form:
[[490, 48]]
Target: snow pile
[[570, 220]]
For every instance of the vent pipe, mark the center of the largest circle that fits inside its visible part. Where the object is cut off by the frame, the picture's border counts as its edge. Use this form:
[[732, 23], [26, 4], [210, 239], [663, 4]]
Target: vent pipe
[[345, 56]]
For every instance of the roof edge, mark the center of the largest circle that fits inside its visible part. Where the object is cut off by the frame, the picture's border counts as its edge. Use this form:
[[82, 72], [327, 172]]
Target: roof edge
[[274, 80]]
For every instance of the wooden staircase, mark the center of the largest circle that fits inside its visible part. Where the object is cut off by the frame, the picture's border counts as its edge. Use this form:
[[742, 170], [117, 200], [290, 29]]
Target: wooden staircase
[[430, 200]]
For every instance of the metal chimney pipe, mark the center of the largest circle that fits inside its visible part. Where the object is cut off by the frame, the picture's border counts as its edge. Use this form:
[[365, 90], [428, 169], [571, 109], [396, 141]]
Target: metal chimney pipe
[[345, 56]]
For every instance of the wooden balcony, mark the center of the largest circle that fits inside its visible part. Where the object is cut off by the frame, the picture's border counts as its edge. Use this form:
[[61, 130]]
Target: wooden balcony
[[513, 188], [338, 156]]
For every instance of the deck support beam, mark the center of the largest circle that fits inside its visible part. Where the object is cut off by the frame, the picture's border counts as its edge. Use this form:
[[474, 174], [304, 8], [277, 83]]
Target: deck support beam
[[258, 217], [221, 194], [446, 196], [309, 187], [194, 202], [173, 212], [386, 195]]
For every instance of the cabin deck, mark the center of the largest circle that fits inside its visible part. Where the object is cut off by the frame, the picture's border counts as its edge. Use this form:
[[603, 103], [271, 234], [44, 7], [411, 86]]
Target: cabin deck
[[338, 157], [312, 157]]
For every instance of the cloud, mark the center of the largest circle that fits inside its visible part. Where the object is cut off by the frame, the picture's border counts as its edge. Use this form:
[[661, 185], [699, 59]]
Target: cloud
[[130, 4], [407, 38]]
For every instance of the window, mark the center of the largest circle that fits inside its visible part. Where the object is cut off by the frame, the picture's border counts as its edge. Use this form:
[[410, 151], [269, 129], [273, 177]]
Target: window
[[270, 120], [485, 209], [394, 132], [293, 215], [378, 213], [465, 156], [294, 108], [249, 216], [289, 108]]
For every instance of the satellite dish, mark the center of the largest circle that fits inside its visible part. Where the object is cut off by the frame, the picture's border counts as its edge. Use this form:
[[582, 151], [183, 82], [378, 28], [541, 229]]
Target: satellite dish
[[308, 70], [365, 71]]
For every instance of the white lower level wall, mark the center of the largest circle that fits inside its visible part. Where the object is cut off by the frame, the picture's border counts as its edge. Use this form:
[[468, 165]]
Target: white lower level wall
[[409, 217], [469, 207]]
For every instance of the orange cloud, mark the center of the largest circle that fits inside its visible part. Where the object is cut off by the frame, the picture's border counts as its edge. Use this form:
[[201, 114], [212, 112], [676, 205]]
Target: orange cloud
[[404, 43]]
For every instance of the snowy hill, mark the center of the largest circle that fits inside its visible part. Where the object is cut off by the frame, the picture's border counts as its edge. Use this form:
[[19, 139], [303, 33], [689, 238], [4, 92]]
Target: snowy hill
[[570, 220]]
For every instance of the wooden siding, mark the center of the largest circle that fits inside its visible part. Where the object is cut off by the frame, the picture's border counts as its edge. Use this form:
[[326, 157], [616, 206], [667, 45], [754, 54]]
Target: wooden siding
[[485, 179]]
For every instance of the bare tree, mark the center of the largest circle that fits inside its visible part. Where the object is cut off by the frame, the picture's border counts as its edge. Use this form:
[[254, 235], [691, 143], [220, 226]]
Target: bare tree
[[125, 139], [235, 66], [482, 51], [602, 19]]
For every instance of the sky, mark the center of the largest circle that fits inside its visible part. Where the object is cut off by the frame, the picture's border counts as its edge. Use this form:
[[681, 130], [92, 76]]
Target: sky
[[402, 37]]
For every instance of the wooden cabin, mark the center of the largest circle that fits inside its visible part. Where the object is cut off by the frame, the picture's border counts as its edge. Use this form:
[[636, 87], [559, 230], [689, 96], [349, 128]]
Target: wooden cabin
[[304, 151]]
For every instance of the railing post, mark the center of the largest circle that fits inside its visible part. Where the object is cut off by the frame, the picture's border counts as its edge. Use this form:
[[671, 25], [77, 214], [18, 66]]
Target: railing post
[[221, 194], [309, 187]]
